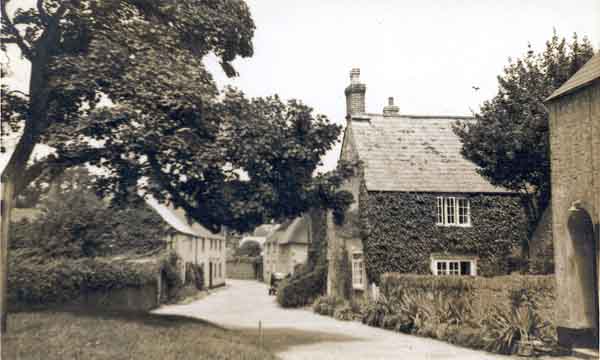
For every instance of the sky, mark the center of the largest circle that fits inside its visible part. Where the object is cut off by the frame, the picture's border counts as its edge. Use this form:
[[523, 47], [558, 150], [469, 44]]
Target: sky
[[427, 54]]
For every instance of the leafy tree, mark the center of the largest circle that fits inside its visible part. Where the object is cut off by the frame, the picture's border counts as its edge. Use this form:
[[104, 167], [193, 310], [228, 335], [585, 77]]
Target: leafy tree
[[249, 248], [227, 160], [169, 131], [509, 138]]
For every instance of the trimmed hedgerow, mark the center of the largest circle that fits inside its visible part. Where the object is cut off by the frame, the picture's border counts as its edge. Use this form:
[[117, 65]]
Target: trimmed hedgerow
[[37, 281], [399, 232]]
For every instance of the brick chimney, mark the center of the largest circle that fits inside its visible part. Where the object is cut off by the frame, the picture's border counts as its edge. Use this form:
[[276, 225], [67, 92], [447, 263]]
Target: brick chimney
[[391, 109], [355, 94]]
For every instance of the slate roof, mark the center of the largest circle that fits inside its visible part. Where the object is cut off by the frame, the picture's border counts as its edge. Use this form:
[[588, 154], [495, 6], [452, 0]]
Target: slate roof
[[291, 232], [415, 153], [588, 73], [177, 220]]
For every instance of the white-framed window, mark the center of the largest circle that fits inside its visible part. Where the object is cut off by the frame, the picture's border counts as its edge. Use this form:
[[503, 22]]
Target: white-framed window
[[358, 280], [455, 267], [453, 211]]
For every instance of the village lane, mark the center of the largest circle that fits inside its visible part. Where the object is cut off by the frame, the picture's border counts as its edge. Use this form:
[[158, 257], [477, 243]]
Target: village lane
[[300, 334]]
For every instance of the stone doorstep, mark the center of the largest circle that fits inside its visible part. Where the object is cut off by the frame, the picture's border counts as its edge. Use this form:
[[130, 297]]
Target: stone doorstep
[[585, 353]]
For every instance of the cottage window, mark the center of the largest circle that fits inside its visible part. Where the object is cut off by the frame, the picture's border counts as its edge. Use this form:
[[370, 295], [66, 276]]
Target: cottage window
[[464, 212], [455, 267], [358, 281], [452, 211], [203, 247]]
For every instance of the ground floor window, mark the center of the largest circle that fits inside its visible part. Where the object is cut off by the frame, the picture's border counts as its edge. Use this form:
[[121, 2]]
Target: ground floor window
[[465, 267], [358, 281]]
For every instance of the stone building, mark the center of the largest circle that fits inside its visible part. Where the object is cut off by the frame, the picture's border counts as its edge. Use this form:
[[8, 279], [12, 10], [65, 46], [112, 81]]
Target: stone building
[[575, 155], [420, 206], [194, 244], [287, 247]]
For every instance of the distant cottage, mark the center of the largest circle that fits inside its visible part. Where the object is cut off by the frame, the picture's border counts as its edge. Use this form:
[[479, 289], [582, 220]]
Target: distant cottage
[[194, 244], [575, 149], [421, 207], [287, 247]]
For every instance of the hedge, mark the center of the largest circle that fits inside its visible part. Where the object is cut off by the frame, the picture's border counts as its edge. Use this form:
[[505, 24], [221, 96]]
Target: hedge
[[33, 281], [399, 232], [302, 290]]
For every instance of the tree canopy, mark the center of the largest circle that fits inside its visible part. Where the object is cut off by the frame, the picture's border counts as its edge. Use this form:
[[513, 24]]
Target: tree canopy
[[226, 159], [509, 138]]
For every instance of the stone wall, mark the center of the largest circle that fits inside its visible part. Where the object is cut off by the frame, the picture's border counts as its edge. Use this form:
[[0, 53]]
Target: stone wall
[[242, 270]]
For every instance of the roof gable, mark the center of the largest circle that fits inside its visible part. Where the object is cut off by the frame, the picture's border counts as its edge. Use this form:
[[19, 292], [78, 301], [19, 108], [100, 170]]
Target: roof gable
[[291, 232], [415, 153], [177, 220], [588, 73]]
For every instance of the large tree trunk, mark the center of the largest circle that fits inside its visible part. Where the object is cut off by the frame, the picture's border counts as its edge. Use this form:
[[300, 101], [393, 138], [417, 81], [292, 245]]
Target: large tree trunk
[[6, 201]]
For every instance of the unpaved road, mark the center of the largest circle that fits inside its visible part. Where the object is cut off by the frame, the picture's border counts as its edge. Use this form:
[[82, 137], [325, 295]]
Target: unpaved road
[[300, 334]]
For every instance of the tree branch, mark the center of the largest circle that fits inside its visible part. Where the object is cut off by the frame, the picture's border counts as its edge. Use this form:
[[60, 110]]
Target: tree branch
[[17, 92], [53, 165], [11, 29]]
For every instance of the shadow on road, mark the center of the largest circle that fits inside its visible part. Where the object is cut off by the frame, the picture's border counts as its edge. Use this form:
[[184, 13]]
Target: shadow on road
[[281, 339]]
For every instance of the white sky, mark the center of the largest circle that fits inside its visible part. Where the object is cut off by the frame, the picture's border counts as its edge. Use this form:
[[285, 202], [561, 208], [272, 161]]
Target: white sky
[[427, 54]]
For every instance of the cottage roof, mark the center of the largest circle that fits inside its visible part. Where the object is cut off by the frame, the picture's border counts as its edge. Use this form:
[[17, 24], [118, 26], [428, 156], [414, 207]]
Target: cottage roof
[[414, 153], [291, 232], [176, 218], [588, 73]]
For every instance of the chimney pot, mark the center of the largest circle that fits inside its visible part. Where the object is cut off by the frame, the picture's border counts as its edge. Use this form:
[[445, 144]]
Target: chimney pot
[[355, 94], [391, 109], [355, 76]]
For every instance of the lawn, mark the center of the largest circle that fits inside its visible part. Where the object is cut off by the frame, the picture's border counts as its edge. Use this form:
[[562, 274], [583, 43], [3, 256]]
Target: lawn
[[61, 335]]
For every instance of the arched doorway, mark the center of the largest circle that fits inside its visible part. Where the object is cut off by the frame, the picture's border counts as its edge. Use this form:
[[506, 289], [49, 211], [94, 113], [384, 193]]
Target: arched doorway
[[583, 277]]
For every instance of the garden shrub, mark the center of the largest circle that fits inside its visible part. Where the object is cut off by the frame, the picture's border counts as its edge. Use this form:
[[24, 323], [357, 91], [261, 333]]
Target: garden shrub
[[502, 330], [302, 290], [343, 312], [326, 305], [194, 275]]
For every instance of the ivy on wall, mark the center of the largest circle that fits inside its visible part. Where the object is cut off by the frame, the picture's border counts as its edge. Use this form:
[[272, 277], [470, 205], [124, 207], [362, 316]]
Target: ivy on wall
[[399, 232]]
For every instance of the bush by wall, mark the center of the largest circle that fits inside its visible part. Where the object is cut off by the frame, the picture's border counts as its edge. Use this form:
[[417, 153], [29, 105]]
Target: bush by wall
[[506, 314], [399, 232], [303, 289]]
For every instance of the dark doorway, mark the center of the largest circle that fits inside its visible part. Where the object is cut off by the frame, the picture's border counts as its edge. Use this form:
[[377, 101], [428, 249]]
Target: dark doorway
[[210, 275], [584, 276]]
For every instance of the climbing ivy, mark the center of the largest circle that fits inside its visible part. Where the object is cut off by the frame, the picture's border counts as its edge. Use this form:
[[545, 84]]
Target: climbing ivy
[[399, 232]]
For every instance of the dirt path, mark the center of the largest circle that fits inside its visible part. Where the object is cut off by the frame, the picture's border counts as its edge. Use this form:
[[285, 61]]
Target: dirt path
[[300, 334]]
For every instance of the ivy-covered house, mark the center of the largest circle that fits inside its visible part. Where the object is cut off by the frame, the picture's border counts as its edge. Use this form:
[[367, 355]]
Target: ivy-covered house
[[420, 206]]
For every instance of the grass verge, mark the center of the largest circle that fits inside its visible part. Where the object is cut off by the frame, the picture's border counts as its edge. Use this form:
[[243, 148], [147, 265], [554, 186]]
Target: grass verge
[[60, 335]]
